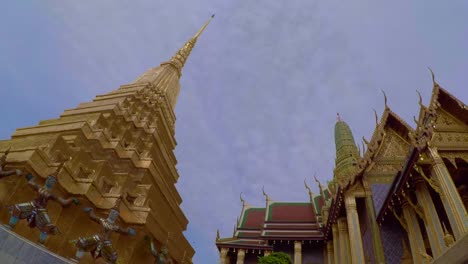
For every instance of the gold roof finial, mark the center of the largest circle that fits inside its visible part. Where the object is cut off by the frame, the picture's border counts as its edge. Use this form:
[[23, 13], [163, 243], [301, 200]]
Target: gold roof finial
[[420, 98], [385, 99], [433, 76], [179, 59], [203, 27], [338, 118], [376, 118], [264, 193], [242, 199], [311, 194]]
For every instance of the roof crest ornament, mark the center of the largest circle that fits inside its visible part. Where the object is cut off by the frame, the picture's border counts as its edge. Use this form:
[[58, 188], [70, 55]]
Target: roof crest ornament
[[433, 77], [338, 118], [420, 99], [376, 118], [318, 182], [242, 199], [385, 99], [217, 235], [311, 194], [264, 193]]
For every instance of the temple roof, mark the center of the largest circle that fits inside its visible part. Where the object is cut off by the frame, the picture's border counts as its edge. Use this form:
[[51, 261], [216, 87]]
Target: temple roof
[[290, 212], [252, 218]]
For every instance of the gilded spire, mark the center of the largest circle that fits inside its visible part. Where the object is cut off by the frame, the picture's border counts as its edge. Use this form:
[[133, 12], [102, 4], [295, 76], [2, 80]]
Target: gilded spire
[[179, 59], [347, 153]]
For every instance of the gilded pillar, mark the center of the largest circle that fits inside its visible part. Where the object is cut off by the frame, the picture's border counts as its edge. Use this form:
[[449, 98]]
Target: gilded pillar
[[376, 238], [336, 244], [330, 252], [344, 240], [240, 256], [456, 211], [297, 252], [223, 256], [357, 252], [434, 230], [414, 233]]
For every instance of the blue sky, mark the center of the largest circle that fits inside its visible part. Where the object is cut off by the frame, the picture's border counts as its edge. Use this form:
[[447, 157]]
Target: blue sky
[[259, 93]]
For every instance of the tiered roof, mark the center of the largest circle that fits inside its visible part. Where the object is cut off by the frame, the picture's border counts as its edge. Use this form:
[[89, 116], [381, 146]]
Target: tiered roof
[[277, 221]]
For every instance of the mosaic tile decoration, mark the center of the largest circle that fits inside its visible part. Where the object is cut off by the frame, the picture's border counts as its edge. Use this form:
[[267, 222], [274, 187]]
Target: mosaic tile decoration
[[391, 240], [379, 193]]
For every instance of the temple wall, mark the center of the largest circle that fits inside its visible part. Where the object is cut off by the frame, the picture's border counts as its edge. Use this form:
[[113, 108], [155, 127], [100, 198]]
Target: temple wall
[[366, 232], [379, 193], [312, 255], [392, 242]]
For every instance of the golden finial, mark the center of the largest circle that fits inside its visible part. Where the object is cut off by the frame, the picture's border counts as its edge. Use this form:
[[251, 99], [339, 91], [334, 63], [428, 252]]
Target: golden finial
[[242, 199], [385, 99], [420, 99], [203, 27], [433, 76], [376, 118], [311, 194], [338, 118], [264, 193], [307, 186]]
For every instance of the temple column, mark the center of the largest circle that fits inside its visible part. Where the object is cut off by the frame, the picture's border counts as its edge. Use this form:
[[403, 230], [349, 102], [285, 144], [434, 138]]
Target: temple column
[[297, 252], [336, 244], [434, 230], [267, 253], [240, 256], [376, 238], [414, 233], [223, 256], [344, 240], [456, 211], [330, 252], [357, 251]]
